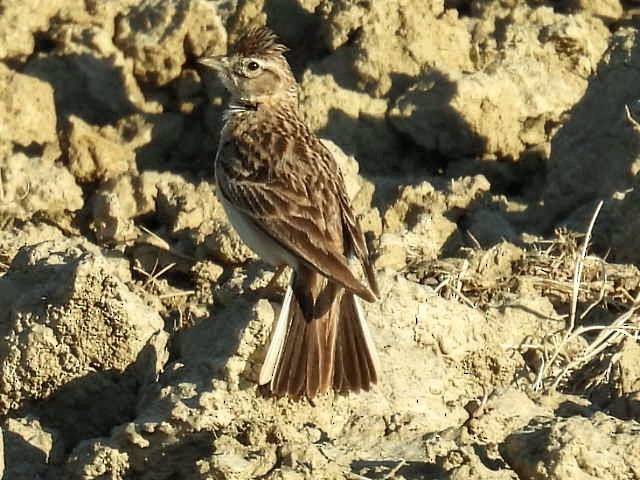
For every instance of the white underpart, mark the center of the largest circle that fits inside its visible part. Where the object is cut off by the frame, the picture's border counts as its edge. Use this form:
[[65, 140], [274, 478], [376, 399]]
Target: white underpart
[[261, 243]]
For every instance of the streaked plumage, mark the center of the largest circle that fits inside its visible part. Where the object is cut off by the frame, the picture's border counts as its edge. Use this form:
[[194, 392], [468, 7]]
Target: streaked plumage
[[284, 194]]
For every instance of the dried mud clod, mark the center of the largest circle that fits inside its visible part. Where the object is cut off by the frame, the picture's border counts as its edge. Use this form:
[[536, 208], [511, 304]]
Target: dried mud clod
[[73, 333]]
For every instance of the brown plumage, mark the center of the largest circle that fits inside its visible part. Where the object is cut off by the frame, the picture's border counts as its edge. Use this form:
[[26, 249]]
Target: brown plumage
[[257, 42], [285, 195]]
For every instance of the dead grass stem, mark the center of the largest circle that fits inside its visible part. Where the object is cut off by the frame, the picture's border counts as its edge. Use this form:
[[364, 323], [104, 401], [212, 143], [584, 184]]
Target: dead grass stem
[[562, 270]]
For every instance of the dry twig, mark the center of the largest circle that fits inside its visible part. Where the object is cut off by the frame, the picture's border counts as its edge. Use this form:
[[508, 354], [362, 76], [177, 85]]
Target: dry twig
[[623, 326], [395, 469], [630, 118], [152, 278], [577, 277]]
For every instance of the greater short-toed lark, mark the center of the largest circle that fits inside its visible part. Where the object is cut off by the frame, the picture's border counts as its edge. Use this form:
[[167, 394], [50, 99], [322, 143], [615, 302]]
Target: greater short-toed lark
[[285, 196]]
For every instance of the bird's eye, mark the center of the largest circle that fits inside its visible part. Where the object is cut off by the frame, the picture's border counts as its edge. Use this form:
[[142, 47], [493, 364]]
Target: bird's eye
[[253, 66]]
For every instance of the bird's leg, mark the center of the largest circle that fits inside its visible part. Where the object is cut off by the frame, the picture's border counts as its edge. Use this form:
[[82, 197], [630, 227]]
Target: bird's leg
[[274, 280], [271, 289]]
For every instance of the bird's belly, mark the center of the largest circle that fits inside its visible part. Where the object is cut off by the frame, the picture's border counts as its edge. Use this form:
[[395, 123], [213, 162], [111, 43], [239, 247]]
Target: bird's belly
[[262, 244]]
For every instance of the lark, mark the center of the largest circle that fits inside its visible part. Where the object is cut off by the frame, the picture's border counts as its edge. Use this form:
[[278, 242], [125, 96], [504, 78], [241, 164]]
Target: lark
[[285, 196]]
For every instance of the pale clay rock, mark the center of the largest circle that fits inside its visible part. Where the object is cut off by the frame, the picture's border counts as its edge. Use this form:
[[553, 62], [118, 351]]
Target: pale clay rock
[[398, 38], [583, 148], [575, 447], [29, 122], [214, 390], [505, 412], [621, 221], [31, 449], [37, 186], [92, 78], [119, 201], [96, 154], [155, 34], [351, 118], [452, 453], [609, 9], [96, 459], [13, 239], [112, 221], [416, 226], [95, 323], [97, 71], [503, 110], [187, 208], [20, 20]]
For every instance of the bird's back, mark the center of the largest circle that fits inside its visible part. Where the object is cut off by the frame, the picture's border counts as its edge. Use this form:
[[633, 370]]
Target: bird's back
[[272, 148]]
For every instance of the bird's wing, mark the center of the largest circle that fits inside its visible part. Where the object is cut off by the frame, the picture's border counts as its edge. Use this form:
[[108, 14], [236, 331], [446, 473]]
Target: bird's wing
[[293, 191]]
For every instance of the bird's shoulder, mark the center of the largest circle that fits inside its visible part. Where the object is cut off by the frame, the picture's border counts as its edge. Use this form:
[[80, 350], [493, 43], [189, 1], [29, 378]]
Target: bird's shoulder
[[279, 148]]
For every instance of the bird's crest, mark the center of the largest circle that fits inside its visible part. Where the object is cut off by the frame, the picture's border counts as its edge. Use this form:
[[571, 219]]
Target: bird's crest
[[260, 41]]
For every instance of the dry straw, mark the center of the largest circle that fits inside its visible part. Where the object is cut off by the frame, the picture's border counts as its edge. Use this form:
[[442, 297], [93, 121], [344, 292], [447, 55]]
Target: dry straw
[[561, 270], [559, 363]]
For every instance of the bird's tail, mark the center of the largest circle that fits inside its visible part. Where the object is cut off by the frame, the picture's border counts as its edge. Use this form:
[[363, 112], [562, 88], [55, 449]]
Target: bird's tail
[[321, 340]]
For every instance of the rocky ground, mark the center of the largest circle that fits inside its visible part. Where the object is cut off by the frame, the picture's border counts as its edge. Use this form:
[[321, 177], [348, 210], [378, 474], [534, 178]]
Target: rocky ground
[[476, 138]]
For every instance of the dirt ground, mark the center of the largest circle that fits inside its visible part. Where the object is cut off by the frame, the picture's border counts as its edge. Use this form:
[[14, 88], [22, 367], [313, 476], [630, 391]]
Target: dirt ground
[[477, 139]]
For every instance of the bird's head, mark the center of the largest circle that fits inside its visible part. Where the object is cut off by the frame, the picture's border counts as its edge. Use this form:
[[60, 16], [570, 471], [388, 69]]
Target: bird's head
[[255, 69]]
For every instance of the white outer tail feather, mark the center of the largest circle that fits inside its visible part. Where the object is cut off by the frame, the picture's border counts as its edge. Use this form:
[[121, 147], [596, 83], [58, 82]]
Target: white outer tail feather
[[367, 335], [272, 359]]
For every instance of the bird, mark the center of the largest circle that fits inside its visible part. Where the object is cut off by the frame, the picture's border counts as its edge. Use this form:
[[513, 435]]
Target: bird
[[284, 194]]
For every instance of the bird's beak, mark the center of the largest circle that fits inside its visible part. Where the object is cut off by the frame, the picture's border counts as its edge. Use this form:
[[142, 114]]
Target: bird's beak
[[218, 62]]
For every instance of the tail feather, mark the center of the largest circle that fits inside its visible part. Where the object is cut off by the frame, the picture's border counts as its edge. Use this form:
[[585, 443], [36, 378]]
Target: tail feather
[[352, 366], [278, 336], [372, 354], [356, 361], [314, 361], [338, 373], [332, 347], [293, 380]]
